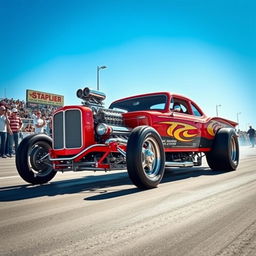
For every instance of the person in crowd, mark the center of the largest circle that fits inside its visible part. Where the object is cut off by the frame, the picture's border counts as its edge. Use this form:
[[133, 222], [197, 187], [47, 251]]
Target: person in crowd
[[29, 128], [9, 134], [15, 125], [4, 128], [251, 132], [39, 122]]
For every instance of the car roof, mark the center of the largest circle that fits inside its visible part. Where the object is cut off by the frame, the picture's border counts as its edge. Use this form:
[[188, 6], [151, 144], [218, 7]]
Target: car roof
[[169, 94]]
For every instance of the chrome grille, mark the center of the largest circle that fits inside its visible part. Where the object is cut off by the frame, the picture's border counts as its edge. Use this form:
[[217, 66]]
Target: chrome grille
[[67, 131], [58, 139]]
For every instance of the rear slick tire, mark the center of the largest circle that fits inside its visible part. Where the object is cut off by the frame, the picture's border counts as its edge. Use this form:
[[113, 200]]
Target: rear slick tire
[[145, 157], [224, 155], [31, 159]]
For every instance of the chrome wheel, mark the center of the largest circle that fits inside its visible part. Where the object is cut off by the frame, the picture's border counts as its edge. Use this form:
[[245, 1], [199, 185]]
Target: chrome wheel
[[150, 157], [38, 159]]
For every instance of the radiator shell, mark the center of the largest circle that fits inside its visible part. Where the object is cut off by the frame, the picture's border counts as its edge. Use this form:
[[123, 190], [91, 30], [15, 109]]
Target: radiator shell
[[73, 130]]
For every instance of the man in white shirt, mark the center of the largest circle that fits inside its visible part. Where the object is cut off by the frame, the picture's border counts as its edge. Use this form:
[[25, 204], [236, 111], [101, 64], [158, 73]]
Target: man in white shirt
[[4, 128], [39, 123]]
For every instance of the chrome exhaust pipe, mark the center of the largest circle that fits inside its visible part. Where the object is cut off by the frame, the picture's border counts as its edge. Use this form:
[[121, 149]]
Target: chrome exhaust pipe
[[179, 164]]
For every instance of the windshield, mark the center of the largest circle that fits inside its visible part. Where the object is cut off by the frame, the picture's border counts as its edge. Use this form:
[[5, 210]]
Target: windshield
[[155, 102]]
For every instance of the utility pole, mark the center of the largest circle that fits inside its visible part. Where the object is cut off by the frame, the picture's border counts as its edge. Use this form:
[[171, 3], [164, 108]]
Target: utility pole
[[98, 75], [217, 112]]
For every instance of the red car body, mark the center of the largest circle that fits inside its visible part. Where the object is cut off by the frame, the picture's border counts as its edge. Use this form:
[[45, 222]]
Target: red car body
[[169, 130]]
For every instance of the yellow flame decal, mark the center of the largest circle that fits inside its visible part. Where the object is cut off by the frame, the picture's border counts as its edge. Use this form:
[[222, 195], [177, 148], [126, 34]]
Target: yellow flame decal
[[180, 131], [213, 127]]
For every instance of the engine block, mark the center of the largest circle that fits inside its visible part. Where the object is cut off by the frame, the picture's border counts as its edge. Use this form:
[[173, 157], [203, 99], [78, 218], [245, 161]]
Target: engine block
[[109, 116]]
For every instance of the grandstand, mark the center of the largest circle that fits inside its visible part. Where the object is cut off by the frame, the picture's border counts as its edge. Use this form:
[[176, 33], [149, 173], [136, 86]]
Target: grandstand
[[26, 112]]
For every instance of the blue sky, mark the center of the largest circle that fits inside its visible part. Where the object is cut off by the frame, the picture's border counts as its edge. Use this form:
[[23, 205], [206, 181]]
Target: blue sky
[[205, 50]]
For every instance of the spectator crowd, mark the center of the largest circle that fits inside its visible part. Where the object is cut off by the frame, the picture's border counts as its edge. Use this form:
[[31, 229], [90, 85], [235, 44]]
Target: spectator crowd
[[17, 119]]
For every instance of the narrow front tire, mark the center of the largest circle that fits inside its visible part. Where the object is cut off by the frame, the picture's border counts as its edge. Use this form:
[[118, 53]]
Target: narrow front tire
[[32, 161]]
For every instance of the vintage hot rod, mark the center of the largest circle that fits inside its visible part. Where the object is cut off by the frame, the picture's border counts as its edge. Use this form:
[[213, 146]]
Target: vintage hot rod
[[143, 134]]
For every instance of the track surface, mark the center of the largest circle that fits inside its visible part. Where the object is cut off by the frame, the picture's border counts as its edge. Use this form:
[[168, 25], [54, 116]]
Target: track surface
[[193, 212]]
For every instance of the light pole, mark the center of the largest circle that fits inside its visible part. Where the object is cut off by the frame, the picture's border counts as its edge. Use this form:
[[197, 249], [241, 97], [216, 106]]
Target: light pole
[[98, 75], [237, 118], [217, 112]]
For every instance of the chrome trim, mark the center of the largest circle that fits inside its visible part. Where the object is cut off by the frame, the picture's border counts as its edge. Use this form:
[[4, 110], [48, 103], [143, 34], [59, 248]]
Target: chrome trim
[[120, 128], [179, 164], [77, 155], [121, 151], [91, 169], [44, 157], [116, 129], [64, 129], [118, 140]]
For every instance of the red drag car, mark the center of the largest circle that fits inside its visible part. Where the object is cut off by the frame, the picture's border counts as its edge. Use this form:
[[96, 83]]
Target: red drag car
[[143, 134]]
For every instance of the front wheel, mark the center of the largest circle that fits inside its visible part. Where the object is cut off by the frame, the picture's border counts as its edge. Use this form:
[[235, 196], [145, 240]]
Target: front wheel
[[145, 157], [32, 161], [224, 155]]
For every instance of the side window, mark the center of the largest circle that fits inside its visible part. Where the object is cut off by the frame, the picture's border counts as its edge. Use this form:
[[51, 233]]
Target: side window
[[179, 105], [196, 112], [159, 106], [184, 107]]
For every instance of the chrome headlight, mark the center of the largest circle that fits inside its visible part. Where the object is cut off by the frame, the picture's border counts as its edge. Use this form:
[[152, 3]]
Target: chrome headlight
[[103, 129]]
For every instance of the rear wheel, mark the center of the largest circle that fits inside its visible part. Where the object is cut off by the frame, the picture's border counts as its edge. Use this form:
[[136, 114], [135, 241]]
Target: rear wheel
[[32, 160], [145, 157], [224, 155]]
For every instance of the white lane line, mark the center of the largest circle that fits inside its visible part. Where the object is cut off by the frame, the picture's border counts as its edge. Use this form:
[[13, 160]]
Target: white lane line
[[9, 177]]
